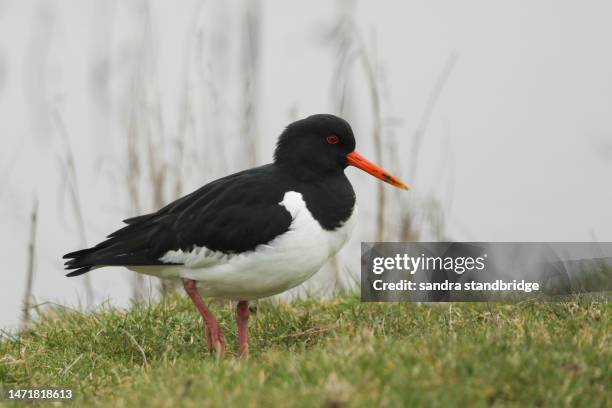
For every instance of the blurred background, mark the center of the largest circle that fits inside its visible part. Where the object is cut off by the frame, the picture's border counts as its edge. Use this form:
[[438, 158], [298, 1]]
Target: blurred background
[[497, 114]]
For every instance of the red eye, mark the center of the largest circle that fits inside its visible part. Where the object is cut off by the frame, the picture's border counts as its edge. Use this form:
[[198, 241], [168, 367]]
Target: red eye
[[332, 139]]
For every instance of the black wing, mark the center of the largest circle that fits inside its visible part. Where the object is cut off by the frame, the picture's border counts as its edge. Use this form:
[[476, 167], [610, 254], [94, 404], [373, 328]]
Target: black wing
[[233, 214]]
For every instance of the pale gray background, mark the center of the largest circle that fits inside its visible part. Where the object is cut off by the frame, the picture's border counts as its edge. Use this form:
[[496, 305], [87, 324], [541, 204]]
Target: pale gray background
[[518, 146]]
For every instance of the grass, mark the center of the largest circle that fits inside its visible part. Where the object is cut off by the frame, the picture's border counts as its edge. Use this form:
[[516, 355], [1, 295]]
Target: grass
[[323, 353]]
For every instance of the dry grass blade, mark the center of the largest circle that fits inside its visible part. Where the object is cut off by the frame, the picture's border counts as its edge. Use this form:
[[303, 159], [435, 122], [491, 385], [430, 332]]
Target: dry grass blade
[[69, 366], [133, 340]]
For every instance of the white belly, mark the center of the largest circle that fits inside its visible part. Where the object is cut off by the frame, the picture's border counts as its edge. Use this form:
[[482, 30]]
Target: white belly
[[283, 263]]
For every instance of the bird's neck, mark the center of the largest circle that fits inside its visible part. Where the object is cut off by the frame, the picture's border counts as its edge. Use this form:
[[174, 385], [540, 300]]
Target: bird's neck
[[305, 173], [330, 198]]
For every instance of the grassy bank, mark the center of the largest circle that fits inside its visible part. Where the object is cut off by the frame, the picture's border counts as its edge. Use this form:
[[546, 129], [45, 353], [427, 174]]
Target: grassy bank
[[319, 353]]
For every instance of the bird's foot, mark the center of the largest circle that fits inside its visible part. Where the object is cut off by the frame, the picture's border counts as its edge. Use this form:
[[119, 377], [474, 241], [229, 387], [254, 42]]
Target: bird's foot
[[215, 339], [243, 350]]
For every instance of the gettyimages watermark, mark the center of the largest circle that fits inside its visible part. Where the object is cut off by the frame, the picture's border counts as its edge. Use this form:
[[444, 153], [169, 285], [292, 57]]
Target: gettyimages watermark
[[485, 271]]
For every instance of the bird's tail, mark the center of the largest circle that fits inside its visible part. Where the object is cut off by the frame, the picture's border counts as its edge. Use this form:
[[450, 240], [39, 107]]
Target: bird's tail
[[80, 262], [125, 247]]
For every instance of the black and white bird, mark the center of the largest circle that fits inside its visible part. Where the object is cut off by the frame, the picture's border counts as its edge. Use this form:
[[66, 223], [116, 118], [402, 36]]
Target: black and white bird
[[252, 234]]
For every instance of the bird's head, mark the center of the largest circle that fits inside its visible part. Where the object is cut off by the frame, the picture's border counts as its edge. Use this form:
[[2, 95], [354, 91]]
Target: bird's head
[[323, 144]]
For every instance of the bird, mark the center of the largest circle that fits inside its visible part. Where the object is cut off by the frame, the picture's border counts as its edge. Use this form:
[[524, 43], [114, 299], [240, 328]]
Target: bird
[[252, 234]]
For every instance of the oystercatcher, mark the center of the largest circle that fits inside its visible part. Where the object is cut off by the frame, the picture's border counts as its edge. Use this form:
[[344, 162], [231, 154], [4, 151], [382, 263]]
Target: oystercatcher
[[252, 234]]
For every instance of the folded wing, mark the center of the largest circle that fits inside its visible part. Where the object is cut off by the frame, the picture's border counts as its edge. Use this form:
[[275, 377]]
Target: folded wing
[[234, 214]]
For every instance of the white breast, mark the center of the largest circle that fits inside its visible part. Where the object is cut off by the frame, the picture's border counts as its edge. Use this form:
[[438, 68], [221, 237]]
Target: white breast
[[283, 263]]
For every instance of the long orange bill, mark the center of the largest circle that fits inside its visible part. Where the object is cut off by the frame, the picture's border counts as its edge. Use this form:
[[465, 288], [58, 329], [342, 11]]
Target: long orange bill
[[357, 160]]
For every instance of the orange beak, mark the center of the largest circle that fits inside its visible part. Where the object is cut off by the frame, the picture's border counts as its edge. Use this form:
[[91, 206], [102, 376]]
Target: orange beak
[[357, 160]]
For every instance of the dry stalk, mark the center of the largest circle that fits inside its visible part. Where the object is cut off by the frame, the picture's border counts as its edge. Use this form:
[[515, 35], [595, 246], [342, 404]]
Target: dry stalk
[[68, 165], [27, 297], [250, 65], [409, 231], [432, 100], [370, 68]]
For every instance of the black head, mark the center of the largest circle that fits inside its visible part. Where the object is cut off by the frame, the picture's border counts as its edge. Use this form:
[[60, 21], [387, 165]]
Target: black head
[[321, 145], [317, 144]]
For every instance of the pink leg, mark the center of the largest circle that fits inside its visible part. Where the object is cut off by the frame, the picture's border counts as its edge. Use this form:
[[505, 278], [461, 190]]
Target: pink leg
[[242, 319], [212, 329]]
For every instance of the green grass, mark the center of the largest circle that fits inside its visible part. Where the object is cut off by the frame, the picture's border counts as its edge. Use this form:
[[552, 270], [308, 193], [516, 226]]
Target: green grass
[[324, 353]]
